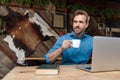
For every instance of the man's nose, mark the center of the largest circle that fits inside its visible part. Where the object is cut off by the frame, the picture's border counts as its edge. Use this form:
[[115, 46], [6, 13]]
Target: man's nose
[[78, 24]]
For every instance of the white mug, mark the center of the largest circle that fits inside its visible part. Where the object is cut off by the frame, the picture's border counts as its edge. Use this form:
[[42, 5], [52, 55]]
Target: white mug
[[75, 43]]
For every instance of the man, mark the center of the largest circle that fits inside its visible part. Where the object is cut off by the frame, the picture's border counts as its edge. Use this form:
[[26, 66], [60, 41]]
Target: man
[[63, 46]]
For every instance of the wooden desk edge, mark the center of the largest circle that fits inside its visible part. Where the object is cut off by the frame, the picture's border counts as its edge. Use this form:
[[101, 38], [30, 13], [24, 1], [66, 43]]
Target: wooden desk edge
[[30, 58]]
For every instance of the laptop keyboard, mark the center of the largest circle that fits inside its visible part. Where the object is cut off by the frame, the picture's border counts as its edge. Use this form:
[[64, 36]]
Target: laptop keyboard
[[87, 67]]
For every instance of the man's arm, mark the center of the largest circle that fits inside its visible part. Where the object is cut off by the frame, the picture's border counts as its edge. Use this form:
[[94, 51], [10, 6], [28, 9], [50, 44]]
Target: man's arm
[[54, 55]]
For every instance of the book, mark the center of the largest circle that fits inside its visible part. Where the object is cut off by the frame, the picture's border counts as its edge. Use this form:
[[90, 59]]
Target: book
[[47, 69]]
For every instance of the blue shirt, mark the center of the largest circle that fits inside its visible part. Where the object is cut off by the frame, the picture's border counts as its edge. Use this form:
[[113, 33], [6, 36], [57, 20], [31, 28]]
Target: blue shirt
[[72, 55]]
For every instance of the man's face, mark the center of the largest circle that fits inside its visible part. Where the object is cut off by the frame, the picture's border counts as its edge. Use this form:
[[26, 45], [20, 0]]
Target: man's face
[[79, 24]]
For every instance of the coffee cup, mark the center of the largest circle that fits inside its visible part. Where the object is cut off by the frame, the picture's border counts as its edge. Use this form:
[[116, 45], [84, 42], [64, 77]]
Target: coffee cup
[[75, 43]]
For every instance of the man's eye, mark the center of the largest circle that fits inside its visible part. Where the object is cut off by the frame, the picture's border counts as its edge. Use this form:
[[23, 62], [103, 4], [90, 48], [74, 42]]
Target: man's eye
[[78, 21], [75, 21], [81, 22]]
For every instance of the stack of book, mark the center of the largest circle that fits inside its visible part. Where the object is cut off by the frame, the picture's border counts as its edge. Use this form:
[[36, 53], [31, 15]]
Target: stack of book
[[48, 69]]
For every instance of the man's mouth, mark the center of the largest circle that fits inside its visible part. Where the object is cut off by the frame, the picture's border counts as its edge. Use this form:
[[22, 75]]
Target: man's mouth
[[77, 28]]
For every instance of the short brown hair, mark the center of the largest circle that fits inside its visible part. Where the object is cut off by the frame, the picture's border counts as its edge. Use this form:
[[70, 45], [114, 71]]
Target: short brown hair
[[82, 12]]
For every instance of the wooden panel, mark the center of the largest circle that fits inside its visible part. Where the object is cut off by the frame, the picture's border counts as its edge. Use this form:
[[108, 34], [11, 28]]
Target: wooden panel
[[6, 51], [46, 16], [26, 34], [5, 64], [43, 47]]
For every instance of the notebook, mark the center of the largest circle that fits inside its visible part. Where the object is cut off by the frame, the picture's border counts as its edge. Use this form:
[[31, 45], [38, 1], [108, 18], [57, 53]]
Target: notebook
[[105, 56], [47, 69]]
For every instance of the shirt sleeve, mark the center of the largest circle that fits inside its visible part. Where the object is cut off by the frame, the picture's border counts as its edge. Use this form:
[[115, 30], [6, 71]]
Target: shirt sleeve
[[46, 59], [56, 46]]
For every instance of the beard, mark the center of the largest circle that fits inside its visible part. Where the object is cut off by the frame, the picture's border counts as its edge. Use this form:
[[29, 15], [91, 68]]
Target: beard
[[78, 31]]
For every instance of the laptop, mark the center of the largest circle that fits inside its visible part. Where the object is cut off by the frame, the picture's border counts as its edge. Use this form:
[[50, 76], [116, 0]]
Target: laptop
[[105, 56]]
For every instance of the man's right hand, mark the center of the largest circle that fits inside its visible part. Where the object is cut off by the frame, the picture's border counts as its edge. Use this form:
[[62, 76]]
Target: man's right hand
[[66, 44]]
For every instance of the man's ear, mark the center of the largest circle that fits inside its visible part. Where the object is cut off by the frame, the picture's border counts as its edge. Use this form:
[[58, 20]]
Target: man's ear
[[87, 24]]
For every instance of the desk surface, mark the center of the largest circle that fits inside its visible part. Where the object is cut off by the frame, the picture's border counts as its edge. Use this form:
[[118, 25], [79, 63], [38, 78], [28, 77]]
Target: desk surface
[[67, 72]]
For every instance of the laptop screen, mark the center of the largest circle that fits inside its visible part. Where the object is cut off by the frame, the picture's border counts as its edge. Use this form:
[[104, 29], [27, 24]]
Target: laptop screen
[[105, 56], [106, 53]]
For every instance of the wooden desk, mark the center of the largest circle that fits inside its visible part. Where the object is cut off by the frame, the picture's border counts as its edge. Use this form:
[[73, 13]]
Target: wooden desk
[[67, 72]]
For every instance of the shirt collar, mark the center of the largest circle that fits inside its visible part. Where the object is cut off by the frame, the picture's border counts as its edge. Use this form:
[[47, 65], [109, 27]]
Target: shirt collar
[[72, 34]]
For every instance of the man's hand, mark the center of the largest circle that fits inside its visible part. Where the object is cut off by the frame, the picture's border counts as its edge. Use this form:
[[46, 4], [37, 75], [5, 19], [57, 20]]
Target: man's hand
[[66, 44]]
